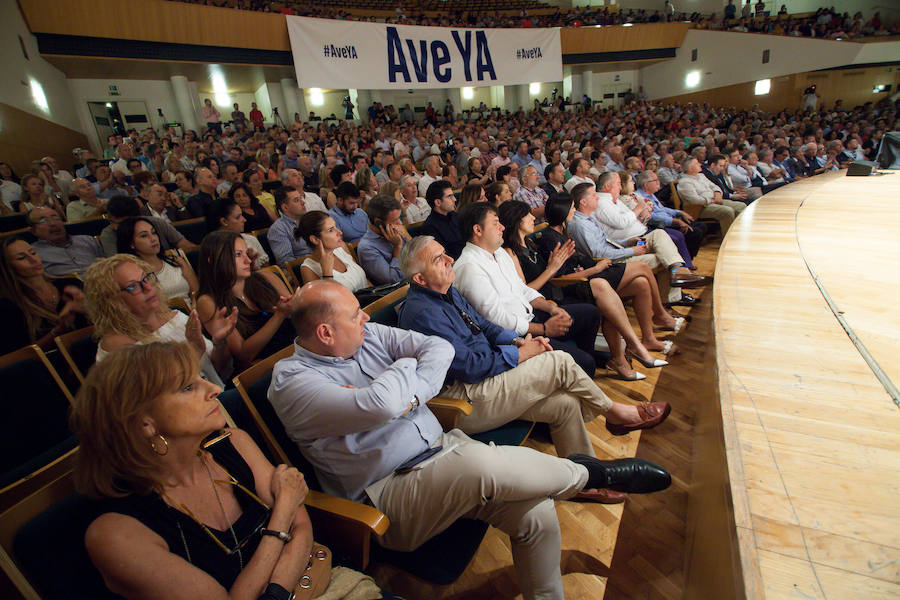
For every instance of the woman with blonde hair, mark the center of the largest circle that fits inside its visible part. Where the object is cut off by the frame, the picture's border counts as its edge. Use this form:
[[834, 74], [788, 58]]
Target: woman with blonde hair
[[128, 307], [367, 184], [191, 509]]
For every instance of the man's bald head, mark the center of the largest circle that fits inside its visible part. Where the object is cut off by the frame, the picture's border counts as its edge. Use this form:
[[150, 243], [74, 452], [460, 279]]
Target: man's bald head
[[328, 319], [316, 306]]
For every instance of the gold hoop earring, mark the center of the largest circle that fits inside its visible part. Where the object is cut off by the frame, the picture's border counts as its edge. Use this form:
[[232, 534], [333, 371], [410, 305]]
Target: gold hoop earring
[[165, 443]]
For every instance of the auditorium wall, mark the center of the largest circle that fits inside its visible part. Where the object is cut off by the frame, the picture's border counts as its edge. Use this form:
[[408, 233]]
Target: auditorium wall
[[34, 92], [853, 86], [155, 93], [727, 58]]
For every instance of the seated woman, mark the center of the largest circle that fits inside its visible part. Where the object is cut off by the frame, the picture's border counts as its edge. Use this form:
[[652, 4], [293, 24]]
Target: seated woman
[[497, 193], [263, 302], [329, 259], [255, 182], [137, 236], [471, 194], [536, 270], [35, 308], [256, 216], [128, 306], [226, 215], [367, 184], [34, 196], [183, 515], [476, 172]]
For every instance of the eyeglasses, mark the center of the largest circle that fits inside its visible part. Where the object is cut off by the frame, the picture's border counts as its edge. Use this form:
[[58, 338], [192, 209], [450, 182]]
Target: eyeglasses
[[469, 321], [51, 219], [146, 282]]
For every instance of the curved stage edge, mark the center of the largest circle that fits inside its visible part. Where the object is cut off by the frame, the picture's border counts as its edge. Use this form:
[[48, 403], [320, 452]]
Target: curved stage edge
[[796, 487]]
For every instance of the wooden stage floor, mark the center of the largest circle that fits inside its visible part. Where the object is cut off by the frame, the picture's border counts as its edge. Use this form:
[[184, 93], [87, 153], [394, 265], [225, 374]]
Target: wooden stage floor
[[807, 332]]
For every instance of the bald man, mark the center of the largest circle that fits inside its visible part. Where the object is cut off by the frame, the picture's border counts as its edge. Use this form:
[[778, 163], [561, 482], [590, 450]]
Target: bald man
[[353, 397]]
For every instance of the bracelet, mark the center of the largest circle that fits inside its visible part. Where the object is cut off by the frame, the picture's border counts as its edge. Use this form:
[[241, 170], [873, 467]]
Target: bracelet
[[327, 276], [544, 325], [281, 535]]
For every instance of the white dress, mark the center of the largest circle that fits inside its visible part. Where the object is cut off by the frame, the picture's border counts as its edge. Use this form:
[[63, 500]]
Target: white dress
[[173, 282], [173, 331], [353, 279]]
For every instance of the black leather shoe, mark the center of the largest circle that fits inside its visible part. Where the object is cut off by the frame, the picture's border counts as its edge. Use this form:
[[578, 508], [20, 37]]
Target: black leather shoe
[[686, 300], [630, 475]]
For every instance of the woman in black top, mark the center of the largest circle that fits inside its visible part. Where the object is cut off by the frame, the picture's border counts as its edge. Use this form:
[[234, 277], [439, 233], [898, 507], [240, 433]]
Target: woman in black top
[[537, 268], [253, 211], [184, 517], [263, 301], [35, 308]]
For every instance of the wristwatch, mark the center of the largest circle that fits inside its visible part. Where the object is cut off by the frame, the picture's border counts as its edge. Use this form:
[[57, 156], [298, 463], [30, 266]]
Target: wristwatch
[[274, 591]]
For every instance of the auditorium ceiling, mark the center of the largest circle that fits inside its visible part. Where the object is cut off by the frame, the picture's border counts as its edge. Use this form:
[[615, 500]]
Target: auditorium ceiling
[[240, 78]]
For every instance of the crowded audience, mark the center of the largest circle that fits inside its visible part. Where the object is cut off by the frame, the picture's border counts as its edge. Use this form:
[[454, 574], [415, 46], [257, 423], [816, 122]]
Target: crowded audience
[[520, 235]]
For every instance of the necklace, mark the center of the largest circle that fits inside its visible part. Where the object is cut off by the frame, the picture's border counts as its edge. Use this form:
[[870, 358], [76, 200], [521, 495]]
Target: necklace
[[237, 545]]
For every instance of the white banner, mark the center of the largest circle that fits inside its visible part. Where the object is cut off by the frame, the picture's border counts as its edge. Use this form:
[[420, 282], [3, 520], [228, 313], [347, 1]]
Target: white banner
[[349, 54]]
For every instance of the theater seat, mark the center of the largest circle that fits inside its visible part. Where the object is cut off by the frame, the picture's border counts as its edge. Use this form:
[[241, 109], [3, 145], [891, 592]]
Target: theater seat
[[34, 418], [192, 229]]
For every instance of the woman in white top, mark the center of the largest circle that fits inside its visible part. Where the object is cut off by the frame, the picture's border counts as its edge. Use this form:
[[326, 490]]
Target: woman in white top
[[227, 215], [128, 306], [137, 236], [34, 196], [329, 259]]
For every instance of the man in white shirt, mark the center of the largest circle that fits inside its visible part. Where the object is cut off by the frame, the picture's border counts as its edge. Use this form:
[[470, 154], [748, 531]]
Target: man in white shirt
[[579, 169], [125, 152], [668, 171], [622, 226], [414, 208], [770, 172], [293, 178], [432, 173], [88, 205], [696, 191], [487, 277]]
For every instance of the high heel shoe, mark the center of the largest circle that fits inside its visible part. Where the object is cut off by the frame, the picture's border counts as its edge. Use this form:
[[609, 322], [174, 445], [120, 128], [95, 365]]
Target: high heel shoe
[[616, 374], [650, 364]]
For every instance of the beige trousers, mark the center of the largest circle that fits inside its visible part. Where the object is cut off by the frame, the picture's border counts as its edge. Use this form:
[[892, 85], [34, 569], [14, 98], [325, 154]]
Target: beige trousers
[[662, 253], [548, 388], [724, 213], [510, 487]]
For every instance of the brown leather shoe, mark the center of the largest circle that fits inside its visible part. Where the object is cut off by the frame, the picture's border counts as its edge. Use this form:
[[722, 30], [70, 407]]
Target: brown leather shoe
[[652, 414], [688, 280], [601, 496]]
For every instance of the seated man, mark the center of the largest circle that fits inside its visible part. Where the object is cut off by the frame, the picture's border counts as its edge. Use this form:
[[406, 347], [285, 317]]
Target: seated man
[[622, 227], [286, 246], [61, 253], [531, 193], [379, 249], [505, 376], [579, 169], [88, 205], [347, 215], [692, 231], [487, 277], [715, 171], [201, 202], [415, 208], [443, 222], [353, 397], [555, 177], [741, 174], [432, 173], [695, 190], [294, 179]]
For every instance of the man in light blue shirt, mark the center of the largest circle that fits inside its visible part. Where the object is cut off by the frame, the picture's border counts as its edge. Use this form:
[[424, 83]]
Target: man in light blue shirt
[[353, 397], [379, 249], [285, 246], [348, 216]]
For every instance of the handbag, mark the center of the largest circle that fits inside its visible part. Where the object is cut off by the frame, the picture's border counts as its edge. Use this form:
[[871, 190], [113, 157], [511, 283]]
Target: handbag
[[315, 579]]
